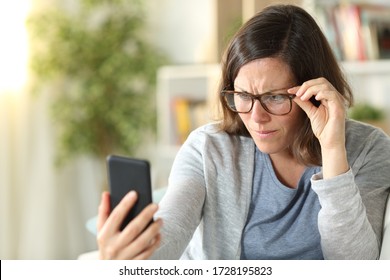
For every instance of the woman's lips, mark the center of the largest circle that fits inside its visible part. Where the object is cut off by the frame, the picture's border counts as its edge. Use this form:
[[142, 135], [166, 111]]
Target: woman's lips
[[265, 133]]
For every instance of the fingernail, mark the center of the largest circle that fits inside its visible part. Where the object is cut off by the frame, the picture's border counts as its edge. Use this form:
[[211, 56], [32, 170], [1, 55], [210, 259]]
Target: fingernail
[[160, 222], [131, 194], [296, 88]]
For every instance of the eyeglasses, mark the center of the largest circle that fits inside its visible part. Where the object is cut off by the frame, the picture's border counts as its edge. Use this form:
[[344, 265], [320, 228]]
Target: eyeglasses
[[274, 103]]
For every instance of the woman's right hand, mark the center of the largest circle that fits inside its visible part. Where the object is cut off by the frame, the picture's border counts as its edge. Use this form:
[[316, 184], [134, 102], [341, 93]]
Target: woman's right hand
[[137, 240]]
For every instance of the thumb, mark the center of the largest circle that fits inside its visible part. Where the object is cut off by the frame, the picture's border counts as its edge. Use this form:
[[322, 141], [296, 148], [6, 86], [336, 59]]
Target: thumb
[[307, 106]]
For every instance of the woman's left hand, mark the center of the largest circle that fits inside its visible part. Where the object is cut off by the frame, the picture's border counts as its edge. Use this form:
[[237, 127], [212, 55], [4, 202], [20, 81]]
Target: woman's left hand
[[327, 122], [328, 119]]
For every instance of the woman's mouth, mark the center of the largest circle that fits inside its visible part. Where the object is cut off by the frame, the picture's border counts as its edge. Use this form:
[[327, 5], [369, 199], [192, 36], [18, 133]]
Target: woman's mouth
[[265, 133]]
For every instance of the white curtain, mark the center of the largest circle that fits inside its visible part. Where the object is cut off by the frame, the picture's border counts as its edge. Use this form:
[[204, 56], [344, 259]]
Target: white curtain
[[43, 209]]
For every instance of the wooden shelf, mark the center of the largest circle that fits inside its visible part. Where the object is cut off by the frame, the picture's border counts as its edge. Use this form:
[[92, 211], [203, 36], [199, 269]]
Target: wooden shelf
[[194, 83], [370, 67]]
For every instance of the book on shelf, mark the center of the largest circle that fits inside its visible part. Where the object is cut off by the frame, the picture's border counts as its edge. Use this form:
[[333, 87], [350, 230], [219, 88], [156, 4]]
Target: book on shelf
[[376, 25], [383, 37], [358, 31], [327, 20], [350, 27], [187, 115]]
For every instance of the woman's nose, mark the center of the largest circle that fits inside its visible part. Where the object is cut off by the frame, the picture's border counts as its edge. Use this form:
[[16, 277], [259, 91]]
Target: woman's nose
[[259, 114]]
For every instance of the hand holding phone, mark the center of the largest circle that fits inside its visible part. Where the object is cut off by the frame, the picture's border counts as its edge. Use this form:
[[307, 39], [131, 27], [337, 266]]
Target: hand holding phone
[[114, 244], [126, 174]]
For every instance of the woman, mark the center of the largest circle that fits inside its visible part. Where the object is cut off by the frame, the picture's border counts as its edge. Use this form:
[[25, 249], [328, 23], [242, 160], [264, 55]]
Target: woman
[[283, 175]]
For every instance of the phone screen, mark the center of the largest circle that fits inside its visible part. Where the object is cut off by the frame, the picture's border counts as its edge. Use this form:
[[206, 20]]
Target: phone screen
[[126, 174]]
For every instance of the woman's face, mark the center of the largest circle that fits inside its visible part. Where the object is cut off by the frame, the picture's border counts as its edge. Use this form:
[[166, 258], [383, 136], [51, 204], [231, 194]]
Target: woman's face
[[272, 134]]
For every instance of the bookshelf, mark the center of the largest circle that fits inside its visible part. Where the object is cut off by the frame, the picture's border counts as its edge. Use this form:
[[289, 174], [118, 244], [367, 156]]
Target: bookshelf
[[358, 30], [355, 30], [185, 100], [180, 90]]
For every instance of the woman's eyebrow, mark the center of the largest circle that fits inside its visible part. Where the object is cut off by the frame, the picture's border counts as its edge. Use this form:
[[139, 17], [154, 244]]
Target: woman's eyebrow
[[238, 87], [268, 91]]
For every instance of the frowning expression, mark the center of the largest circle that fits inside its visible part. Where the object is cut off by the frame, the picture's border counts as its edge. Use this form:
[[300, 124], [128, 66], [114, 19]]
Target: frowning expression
[[271, 133]]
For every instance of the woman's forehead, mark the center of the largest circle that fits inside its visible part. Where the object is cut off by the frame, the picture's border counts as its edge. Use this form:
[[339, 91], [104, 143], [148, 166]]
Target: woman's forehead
[[266, 74]]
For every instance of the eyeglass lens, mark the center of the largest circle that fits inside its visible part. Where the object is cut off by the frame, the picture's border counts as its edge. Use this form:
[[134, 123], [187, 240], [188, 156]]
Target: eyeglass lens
[[278, 104]]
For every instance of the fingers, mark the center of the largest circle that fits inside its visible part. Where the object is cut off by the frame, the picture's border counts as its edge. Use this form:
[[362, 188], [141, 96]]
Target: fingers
[[320, 90], [138, 240], [149, 251], [328, 119], [306, 106], [104, 210], [118, 214], [144, 244], [139, 223], [313, 88], [141, 247]]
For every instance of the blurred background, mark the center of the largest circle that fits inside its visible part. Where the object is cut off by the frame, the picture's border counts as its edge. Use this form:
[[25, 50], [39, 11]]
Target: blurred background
[[82, 79]]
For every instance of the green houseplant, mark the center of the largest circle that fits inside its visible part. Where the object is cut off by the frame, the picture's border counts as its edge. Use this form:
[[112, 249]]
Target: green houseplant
[[102, 72], [367, 113]]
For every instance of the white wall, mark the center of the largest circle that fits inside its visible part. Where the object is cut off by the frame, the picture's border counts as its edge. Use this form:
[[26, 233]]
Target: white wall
[[184, 29]]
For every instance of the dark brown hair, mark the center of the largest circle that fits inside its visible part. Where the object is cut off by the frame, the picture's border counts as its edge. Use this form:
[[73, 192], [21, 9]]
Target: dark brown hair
[[287, 32]]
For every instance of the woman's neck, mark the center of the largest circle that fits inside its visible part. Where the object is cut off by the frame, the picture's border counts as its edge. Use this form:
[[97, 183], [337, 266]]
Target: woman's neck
[[288, 170]]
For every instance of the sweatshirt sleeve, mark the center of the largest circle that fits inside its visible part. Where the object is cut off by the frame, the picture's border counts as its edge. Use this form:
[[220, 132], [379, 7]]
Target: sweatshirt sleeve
[[353, 204], [346, 232], [181, 207]]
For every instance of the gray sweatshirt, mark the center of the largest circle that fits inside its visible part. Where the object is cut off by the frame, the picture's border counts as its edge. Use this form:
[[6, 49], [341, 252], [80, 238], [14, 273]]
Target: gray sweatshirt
[[206, 205]]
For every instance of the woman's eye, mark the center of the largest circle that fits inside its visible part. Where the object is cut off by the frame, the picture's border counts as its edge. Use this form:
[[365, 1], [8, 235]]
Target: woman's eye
[[244, 96], [276, 98]]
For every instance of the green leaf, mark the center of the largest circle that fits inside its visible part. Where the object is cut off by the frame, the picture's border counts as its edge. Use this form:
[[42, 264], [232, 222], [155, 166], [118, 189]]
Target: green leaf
[[102, 72]]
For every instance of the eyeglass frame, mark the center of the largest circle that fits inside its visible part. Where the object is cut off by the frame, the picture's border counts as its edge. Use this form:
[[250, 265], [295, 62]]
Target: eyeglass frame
[[258, 97]]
